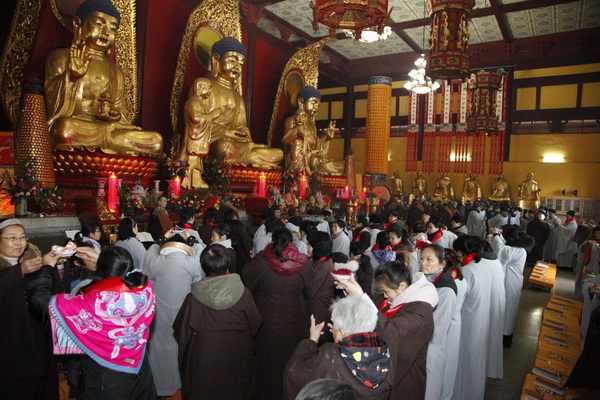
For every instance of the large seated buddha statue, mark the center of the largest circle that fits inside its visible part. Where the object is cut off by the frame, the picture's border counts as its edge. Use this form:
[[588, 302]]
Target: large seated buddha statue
[[85, 91], [304, 149], [229, 134]]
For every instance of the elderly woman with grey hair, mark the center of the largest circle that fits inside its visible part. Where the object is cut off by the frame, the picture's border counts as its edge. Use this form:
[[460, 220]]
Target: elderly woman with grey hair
[[354, 321]]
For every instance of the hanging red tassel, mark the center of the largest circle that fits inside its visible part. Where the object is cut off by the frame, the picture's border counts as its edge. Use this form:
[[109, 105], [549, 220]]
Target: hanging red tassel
[[478, 157], [444, 153], [460, 157]]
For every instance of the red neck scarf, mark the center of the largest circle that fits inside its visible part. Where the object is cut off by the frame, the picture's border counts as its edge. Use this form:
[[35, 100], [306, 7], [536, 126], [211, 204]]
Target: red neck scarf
[[389, 224], [567, 222], [188, 226], [468, 259], [390, 311], [437, 236], [588, 253], [437, 277]]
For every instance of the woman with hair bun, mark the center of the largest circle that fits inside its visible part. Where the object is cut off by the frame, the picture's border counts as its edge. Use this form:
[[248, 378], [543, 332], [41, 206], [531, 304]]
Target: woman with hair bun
[[512, 247], [278, 278], [475, 320], [108, 325]]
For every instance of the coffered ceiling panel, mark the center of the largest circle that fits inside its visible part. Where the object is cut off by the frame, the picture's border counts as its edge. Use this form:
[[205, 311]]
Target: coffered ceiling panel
[[484, 29], [555, 19]]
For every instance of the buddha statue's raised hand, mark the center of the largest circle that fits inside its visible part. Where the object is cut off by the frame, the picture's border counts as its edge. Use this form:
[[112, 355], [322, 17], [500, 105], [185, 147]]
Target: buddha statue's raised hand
[[79, 58]]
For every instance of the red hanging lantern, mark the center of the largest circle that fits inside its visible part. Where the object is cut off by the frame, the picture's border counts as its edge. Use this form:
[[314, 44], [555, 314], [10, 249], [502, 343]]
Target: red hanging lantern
[[354, 15], [449, 38], [484, 87]]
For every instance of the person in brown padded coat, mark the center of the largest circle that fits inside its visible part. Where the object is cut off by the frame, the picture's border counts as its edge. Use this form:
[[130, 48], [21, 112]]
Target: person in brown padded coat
[[216, 329], [278, 280], [405, 322], [359, 356]]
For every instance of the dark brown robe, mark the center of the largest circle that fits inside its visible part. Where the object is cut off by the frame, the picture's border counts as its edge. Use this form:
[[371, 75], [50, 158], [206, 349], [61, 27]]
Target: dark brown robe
[[241, 243], [216, 349], [310, 362], [407, 333], [27, 367], [321, 290], [279, 289]]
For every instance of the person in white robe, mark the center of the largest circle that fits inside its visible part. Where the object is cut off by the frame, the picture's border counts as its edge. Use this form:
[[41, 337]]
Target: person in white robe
[[495, 364], [341, 241], [476, 221], [511, 248], [453, 341], [498, 220], [439, 271], [550, 245], [565, 246], [588, 260], [475, 321], [171, 267], [259, 243], [437, 234]]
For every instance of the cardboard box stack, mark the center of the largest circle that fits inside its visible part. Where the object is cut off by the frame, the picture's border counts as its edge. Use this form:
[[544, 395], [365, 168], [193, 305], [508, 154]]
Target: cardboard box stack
[[559, 346]]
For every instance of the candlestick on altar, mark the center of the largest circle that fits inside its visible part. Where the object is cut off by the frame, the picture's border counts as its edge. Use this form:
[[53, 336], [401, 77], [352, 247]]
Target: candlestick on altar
[[112, 192], [302, 186], [262, 185]]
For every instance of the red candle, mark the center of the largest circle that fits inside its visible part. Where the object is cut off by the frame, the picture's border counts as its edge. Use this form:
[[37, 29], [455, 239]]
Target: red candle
[[112, 192], [364, 194], [262, 185], [346, 192], [302, 186]]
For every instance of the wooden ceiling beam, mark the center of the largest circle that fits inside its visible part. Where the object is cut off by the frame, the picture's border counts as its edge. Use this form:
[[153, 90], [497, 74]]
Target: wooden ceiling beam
[[501, 21]]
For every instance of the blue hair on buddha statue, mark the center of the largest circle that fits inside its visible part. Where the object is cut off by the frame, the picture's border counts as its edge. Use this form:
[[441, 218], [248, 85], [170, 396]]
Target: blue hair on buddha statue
[[228, 44], [307, 92], [103, 6]]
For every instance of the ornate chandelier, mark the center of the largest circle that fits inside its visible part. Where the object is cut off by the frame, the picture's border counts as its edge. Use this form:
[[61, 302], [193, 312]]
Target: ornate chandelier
[[370, 35], [353, 15], [449, 38], [484, 86], [419, 82]]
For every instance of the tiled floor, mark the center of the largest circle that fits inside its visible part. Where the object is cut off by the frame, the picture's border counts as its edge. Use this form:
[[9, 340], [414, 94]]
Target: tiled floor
[[518, 359]]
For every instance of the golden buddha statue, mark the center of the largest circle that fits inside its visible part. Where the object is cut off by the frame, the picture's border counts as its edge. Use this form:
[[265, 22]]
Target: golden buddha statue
[[500, 191], [395, 184], [198, 123], [443, 189], [229, 134], [304, 149], [471, 189], [85, 91], [419, 188], [529, 193]]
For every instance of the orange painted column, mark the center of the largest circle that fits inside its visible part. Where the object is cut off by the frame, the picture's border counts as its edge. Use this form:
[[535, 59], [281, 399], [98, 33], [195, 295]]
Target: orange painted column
[[378, 128]]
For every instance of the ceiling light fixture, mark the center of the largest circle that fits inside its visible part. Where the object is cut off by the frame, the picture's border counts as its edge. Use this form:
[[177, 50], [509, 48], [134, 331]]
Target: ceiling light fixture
[[370, 35], [420, 83]]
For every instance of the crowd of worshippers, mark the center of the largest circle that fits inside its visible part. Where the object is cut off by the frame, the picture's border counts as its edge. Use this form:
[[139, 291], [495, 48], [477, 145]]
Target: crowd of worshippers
[[414, 302]]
